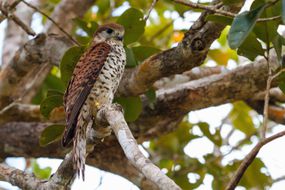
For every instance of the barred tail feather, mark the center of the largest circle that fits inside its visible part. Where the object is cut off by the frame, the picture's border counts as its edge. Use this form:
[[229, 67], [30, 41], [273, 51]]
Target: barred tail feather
[[79, 142], [79, 152]]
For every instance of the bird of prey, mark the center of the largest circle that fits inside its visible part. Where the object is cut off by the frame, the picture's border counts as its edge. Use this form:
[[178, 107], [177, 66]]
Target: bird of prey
[[93, 84]]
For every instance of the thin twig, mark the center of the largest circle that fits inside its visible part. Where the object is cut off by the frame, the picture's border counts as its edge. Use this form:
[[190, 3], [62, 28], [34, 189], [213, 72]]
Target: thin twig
[[222, 12], [10, 8], [14, 4], [279, 179], [266, 105], [55, 23], [266, 99], [10, 15], [249, 159], [150, 9]]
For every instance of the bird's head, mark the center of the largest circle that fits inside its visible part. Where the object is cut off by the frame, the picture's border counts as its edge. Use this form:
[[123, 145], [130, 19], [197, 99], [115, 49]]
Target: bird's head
[[111, 31]]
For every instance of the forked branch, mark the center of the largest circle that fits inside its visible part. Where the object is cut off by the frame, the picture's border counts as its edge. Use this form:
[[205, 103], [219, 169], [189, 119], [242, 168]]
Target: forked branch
[[114, 116]]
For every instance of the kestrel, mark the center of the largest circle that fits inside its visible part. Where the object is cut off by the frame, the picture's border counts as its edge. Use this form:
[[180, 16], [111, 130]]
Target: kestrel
[[93, 84]]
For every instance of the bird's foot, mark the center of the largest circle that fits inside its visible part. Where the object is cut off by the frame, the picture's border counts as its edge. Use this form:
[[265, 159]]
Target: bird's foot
[[102, 132]]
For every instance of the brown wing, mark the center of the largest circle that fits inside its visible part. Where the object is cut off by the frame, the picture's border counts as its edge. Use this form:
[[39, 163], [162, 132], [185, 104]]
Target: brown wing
[[84, 76]]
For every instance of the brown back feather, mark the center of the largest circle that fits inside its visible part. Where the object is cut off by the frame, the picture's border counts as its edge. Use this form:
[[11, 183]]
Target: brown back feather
[[84, 76]]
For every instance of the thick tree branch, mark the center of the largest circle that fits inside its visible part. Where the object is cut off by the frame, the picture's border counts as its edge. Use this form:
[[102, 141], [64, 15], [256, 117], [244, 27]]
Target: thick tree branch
[[116, 119], [22, 71], [276, 113], [63, 177], [18, 177], [275, 95], [176, 60], [238, 84], [193, 74], [59, 181], [189, 53], [107, 156], [172, 104]]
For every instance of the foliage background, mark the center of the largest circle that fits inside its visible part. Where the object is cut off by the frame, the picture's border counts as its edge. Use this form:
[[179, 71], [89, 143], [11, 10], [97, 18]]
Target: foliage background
[[209, 144]]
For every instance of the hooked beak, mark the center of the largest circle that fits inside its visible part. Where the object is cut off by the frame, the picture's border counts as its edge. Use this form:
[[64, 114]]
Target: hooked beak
[[120, 38]]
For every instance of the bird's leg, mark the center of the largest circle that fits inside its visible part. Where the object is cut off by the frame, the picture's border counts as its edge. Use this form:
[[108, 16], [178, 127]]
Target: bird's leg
[[101, 126], [118, 107]]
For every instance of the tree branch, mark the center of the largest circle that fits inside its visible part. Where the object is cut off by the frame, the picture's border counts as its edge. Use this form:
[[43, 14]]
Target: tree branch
[[213, 9], [63, 177], [276, 113], [14, 36], [238, 84], [275, 95], [249, 159], [64, 12], [55, 23], [18, 177], [189, 53], [8, 13], [172, 104], [117, 122], [18, 76], [194, 74], [59, 181]]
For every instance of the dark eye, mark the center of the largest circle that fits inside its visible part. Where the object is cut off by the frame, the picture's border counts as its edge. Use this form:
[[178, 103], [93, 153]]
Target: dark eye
[[109, 31]]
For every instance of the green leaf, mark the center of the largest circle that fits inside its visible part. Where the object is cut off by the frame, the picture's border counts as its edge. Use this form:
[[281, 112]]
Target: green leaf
[[144, 52], [151, 96], [132, 107], [41, 173], [174, 142], [254, 178], [241, 118], [281, 85], [88, 27], [283, 11], [103, 6], [51, 134], [131, 60], [215, 138], [50, 103], [205, 129], [84, 40], [68, 62], [277, 44], [53, 92], [51, 82], [242, 26], [266, 31], [133, 22], [281, 77], [250, 48], [220, 19]]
